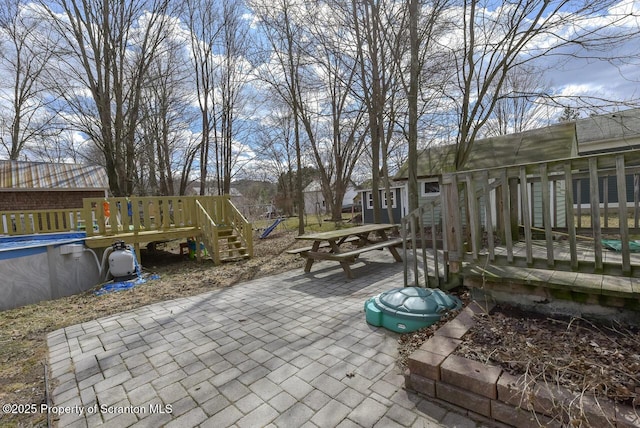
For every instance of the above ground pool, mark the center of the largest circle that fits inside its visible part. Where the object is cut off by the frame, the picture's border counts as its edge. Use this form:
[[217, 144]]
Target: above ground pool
[[18, 246], [44, 267]]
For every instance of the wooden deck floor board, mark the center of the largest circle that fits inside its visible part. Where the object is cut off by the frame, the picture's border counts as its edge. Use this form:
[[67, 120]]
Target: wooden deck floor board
[[102, 241], [605, 287]]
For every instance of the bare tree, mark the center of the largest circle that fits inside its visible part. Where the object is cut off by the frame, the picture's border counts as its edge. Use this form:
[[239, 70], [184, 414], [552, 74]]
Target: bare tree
[[232, 78], [285, 39], [204, 23], [499, 38], [276, 151], [334, 120], [24, 56], [521, 104], [109, 46], [367, 28], [427, 22], [166, 116]]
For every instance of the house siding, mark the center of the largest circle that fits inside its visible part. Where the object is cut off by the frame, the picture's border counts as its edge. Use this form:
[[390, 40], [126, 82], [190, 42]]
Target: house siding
[[367, 213]]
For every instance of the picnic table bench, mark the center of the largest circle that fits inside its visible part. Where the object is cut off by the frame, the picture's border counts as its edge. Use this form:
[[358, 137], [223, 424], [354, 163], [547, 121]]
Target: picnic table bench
[[360, 235], [322, 245]]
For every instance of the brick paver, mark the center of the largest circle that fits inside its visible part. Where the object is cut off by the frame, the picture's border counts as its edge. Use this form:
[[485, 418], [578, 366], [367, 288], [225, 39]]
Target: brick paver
[[292, 349]]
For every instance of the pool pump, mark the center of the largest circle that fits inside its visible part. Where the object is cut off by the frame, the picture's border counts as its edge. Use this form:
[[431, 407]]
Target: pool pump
[[122, 262]]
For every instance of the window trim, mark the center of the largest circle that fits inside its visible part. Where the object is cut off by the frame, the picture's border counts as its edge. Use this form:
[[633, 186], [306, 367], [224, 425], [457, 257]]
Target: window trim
[[383, 198], [423, 190]]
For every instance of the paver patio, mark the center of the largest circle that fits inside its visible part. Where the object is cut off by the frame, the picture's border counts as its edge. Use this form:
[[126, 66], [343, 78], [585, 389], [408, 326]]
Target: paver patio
[[289, 350]]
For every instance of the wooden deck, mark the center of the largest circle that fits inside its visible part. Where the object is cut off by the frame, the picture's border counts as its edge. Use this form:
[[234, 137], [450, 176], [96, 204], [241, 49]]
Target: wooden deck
[[607, 288], [612, 261], [212, 220], [538, 282], [144, 236], [524, 229]]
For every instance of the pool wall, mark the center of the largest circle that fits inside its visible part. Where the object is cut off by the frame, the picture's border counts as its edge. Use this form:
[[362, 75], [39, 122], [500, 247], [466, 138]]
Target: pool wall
[[34, 268]]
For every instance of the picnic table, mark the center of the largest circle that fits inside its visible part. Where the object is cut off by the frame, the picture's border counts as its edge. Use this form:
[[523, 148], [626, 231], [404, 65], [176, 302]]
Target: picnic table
[[328, 245]]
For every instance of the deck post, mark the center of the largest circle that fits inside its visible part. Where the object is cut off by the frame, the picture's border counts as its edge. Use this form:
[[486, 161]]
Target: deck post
[[453, 231], [622, 214], [526, 219], [595, 213], [513, 208], [546, 213], [570, 215], [473, 216], [506, 214], [636, 200], [488, 216]]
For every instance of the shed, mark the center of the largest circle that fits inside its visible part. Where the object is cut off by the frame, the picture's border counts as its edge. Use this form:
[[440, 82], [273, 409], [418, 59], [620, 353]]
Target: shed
[[28, 186], [398, 202], [537, 145], [597, 134]]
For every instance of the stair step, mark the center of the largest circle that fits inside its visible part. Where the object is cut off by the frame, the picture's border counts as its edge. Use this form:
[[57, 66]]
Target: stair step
[[225, 231], [234, 258]]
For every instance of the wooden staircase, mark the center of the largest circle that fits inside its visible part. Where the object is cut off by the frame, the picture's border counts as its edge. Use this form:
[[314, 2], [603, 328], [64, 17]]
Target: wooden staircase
[[230, 246], [228, 239]]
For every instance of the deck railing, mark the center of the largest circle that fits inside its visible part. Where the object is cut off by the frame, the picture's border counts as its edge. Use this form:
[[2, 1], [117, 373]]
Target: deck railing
[[420, 231], [517, 214], [135, 215], [209, 231], [517, 205], [239, 223], [39, 221], [111, 216]]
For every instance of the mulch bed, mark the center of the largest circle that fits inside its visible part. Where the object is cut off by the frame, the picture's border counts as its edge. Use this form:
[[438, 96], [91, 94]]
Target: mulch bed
[[587, 357], [596, 358]]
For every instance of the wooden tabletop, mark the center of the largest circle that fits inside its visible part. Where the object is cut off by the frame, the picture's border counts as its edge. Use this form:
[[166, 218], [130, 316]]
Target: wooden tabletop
[[341, 233]]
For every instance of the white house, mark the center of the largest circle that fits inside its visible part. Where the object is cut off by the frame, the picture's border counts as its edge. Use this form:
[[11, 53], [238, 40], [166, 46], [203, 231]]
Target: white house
[[314, 202]]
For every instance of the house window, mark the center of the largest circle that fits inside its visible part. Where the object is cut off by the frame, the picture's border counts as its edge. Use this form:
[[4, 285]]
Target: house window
[[369, 200], [430, 188], [384, 199]]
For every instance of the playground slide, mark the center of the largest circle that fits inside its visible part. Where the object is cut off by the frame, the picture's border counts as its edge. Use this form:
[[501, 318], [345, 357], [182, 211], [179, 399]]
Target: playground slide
[[269, 229]]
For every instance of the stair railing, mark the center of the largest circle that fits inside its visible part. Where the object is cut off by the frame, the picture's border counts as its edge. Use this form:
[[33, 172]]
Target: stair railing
[[240, 225], [209, 232]]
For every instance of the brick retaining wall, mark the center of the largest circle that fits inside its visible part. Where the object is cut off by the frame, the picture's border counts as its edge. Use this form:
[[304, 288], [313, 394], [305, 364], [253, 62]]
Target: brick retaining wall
[[435, 371]]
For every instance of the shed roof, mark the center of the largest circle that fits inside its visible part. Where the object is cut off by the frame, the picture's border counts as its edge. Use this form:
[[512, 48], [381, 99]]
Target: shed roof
[[537, 145], [19, 175]]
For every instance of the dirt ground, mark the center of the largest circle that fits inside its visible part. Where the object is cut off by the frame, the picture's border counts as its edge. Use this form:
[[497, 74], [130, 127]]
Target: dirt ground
[[605, 359]]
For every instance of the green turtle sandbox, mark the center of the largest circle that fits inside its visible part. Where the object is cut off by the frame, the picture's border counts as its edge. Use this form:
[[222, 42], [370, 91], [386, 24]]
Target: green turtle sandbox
[[408, 309]]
